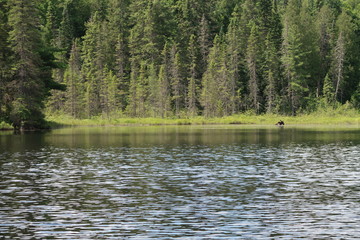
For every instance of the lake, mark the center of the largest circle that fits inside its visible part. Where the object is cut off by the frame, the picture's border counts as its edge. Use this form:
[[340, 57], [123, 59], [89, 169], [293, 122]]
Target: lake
[[181, 182]]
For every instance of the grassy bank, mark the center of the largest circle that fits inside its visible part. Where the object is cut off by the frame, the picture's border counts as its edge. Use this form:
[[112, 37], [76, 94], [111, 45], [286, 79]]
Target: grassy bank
[[348, 117], [5, 126]]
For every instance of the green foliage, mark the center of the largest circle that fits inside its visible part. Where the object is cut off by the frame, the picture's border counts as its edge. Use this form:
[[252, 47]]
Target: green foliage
[[176, 58]]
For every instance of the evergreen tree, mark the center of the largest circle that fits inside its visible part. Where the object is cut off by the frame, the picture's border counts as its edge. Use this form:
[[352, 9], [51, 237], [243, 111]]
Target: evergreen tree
[[93, 65], [252, 59], [143, 51], [272, 74], [132, 104], [177, 84], [325, 29], [215, 88], [4, 59], [97, 56], [225, 56], [117, 36], [164, 83], [234, 60], [193, 85], [204, 43], [75, 86], [340, 54], [163, 92], [328, 90], [272, 63], [297, 52], [28, 88], [142, 91]]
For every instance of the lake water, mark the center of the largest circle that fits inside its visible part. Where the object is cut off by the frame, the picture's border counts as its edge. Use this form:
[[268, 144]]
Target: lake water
[[181, 182]]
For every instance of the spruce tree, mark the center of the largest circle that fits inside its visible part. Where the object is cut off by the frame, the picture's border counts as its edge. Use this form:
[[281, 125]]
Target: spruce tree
[[252, 59], [272, 63], [193, 84], [75, 86], [272, 74], [93, 64], [178, 92], [325, 30], [298, 54], [340, 55], [215, 92], [118, 40], [4, 58], [204, 43], [28, 89], [234, 59]]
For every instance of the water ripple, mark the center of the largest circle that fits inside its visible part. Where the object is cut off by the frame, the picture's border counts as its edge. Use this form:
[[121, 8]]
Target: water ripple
[[182, 192]]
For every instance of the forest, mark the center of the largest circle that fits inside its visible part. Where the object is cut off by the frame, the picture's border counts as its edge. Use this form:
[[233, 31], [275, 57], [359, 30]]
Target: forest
[[176, 58]]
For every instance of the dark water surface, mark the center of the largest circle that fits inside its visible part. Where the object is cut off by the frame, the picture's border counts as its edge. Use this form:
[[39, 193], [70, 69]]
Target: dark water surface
[[202, 182]]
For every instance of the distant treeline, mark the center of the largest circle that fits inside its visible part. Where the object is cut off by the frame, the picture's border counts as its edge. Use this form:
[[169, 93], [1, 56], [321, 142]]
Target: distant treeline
[[176, 58]]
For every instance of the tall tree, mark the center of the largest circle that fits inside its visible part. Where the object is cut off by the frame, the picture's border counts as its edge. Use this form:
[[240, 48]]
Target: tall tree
[[252, 59], [215, 92], [193, 82], [272, 74], [340, 66], [204, 43], [325, 28], [272, 63], [75, 86], [4, 58], [118, 40], [28, 88], [178, 89], [234, 58], [298, 54]]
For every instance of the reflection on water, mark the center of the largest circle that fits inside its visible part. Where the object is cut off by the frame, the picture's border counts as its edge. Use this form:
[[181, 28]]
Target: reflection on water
[[180, 182]]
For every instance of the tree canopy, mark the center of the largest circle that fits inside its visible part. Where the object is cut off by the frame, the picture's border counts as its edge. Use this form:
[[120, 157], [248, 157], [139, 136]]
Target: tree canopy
[[176, 58]]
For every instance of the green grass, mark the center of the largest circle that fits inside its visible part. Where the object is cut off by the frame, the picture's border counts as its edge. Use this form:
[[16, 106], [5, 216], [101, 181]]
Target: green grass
[[5, 126], [323, 117]]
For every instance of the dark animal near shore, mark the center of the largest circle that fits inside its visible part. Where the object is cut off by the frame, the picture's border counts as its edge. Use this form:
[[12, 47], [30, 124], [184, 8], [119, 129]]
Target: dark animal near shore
[[280, 123]]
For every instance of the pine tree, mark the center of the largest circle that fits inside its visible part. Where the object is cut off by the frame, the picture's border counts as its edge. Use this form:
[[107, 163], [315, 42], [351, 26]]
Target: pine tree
[[272, 74], [163, 92], [325, 29], [298, 54], [272, 63], [234, 60], [75, 86], [204, 43], [178, 92], [131, 108], [96, 54], [215, 92], [66, 29], [328, 91], [164, 84], [4, 59], [252, 59], [50, 29], [117, 36], [340, 53], [143, 51], [28, 88], [142, 91], [192, 91], [93, 64]]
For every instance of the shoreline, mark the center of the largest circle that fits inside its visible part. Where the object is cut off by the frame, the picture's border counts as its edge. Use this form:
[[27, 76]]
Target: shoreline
[[314, 119]]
